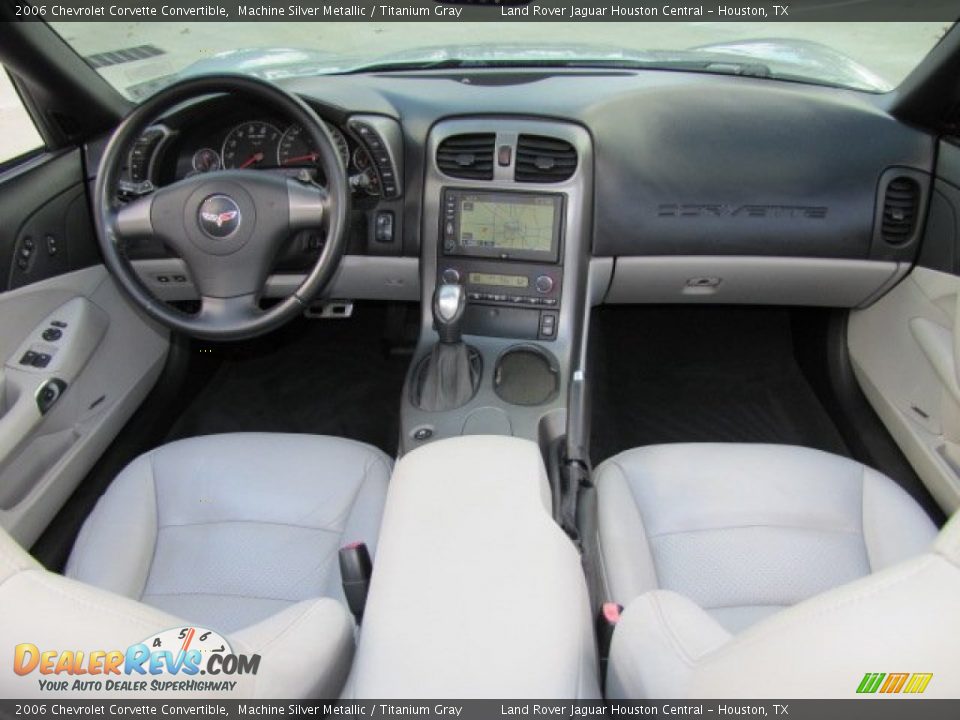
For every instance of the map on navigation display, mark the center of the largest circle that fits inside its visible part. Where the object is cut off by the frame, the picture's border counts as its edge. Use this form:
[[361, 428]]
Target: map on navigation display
[[507, 225]]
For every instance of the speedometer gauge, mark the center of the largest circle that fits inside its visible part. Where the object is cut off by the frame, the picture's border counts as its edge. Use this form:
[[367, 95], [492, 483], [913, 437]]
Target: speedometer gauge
[[250, 145], [297, 149]]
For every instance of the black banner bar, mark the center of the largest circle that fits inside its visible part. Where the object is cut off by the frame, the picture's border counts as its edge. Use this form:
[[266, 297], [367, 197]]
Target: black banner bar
[[450, 11], [874, 708]]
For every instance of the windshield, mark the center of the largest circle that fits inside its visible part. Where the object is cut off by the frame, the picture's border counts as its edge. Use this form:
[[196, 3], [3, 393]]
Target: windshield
[[139, 58]]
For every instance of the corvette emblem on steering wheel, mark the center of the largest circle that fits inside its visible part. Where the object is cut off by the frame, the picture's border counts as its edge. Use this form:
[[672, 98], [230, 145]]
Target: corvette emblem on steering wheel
[[219, 216]]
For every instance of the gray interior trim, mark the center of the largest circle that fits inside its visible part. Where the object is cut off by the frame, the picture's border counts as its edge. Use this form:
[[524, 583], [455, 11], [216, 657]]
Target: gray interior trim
[[358, 278], [98, 401], [752, 280], [600, 277]]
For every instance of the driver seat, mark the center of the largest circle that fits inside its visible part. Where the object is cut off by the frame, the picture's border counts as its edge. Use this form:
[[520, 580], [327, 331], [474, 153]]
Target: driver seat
[[235, 533]]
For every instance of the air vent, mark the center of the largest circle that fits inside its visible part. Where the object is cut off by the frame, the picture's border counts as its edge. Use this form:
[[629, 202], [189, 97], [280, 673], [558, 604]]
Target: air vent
[[467, 156], [900, 207], [544, 159]]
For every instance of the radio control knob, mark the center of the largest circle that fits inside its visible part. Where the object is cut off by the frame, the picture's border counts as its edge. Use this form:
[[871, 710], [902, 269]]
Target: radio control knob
[[543, 284], [450, 276]]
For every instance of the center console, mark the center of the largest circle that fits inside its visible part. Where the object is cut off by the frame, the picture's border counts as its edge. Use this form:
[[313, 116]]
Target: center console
[[476, 591], [506, 221], [504, 248]]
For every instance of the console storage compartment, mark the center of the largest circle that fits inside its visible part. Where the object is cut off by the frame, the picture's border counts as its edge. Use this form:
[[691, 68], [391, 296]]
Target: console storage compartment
[[476, 591]]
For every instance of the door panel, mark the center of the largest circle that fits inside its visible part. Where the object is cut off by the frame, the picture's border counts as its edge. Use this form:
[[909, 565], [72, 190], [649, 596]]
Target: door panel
[[45, 227], [58, 413], [905, 348]]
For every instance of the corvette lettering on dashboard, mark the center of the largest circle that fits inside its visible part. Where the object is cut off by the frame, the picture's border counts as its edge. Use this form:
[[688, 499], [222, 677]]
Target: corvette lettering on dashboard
[[719, 210]]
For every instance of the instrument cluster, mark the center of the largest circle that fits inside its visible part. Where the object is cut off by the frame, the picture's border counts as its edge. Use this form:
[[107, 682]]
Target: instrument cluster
[[264, 144]]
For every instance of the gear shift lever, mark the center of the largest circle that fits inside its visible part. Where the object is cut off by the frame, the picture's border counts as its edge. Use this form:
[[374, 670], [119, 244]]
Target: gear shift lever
[[449, 304], [449, 376]]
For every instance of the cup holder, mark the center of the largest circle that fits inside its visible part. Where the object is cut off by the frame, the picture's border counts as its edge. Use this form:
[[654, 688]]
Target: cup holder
[[526, 375]]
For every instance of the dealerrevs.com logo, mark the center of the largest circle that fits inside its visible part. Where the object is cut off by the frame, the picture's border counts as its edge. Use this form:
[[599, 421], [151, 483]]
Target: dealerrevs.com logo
[[176, 660]]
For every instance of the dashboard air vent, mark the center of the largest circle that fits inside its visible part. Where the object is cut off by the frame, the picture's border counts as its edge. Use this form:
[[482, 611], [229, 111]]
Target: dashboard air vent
[[900, 208], [467, 156], [544, 159]]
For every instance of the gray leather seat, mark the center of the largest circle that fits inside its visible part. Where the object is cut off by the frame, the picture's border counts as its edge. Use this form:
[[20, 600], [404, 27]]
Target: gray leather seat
[[230, 531], [700, 542]]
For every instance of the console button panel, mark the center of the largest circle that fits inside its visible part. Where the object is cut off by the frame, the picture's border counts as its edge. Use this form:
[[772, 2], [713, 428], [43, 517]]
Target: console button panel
[[523, 305]]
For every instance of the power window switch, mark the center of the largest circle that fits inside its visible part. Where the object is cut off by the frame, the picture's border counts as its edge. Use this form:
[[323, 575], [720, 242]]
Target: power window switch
[[41, 360], [28, 357]]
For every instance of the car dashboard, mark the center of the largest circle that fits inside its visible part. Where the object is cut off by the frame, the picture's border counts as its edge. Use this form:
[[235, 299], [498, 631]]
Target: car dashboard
[[703, 188]]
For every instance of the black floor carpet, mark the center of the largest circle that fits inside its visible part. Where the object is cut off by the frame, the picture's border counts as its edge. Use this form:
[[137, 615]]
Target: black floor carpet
[[326, 377], [665, 375]]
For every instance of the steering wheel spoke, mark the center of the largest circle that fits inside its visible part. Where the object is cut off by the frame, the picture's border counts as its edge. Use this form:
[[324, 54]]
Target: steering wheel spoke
[[309, 205], [133, 219], [218, 311]]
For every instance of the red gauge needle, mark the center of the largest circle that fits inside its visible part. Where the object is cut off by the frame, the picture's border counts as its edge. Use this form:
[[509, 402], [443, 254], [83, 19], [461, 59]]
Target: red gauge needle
[[300, 158], [255, 158]]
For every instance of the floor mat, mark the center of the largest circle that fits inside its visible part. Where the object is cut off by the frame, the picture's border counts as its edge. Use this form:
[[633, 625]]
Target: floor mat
[[664, 375], [326, 377]]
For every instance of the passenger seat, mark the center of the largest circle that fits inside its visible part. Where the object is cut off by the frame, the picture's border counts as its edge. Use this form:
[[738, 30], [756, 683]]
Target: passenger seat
[[709, 546]]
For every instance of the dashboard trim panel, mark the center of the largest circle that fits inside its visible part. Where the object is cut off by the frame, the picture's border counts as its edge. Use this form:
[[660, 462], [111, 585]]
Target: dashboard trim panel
[[360, 277]]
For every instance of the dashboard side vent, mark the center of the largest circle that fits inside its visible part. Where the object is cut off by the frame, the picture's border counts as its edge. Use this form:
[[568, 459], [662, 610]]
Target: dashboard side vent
[[901, 205], [467, 156], [544, 159]]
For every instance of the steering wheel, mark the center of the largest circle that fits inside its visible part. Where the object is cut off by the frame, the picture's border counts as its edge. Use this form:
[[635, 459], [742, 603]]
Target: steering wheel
[[227, 226]]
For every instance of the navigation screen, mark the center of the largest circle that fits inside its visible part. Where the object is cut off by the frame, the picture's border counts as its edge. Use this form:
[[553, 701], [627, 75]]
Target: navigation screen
[[512, 225]]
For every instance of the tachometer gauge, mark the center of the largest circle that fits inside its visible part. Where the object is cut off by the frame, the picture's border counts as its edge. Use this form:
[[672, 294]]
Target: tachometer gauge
[[297, 149], [206, 160], [250, 145]]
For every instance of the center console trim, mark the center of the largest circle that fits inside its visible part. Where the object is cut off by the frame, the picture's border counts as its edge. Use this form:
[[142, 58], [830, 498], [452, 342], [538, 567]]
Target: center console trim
[[539, 423]]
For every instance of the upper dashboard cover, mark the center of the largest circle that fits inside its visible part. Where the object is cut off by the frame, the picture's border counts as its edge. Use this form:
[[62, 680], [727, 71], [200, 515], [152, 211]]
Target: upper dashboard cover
[[738, 166], [684, 163]]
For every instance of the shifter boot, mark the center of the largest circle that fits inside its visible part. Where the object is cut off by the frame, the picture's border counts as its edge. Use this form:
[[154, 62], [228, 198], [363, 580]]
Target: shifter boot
[[448, 377]]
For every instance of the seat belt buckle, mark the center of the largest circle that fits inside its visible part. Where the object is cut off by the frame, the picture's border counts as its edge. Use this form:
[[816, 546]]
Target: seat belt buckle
[[356, 567]]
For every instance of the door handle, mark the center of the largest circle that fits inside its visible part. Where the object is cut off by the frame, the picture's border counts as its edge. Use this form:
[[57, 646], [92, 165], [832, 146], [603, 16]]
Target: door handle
[[20, 417]]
